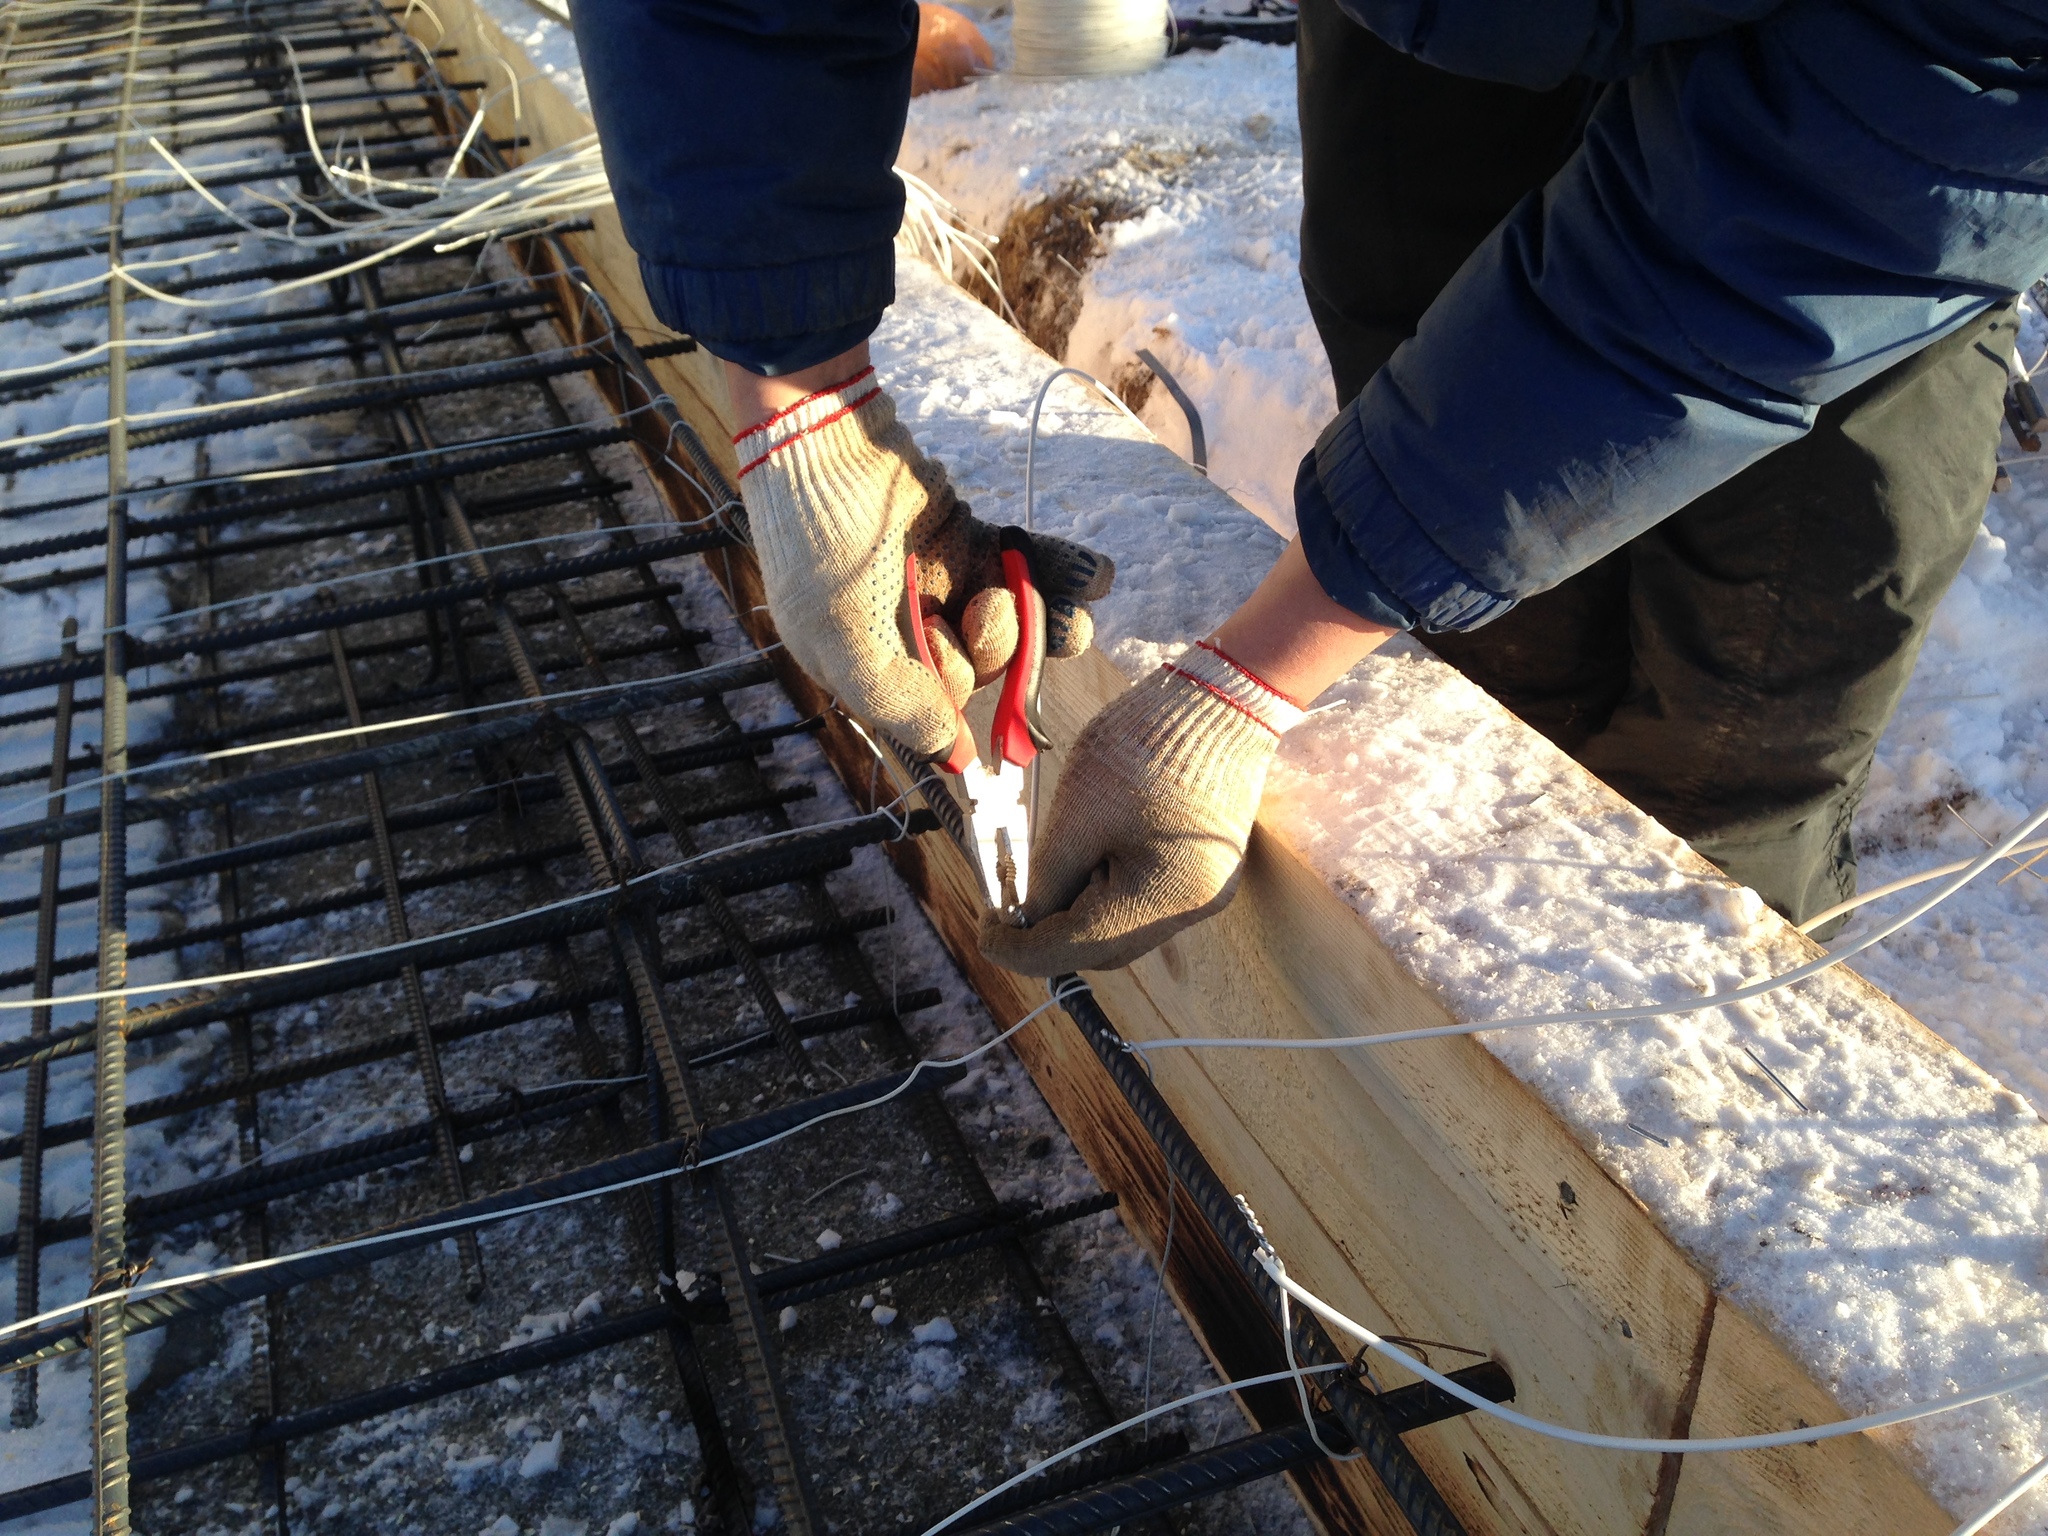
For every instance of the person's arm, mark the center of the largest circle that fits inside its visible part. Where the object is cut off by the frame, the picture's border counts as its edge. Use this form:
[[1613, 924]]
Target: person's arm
[[1294, 635], [1751, 227], [751, 152], [756, 397], [750, 149]]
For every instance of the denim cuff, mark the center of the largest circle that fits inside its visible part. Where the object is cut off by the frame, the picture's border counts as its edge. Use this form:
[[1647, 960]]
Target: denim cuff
[[1363, 528], [777, 319]]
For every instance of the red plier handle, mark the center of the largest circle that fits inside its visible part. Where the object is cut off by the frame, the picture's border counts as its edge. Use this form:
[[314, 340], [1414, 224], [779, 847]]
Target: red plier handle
[[1016, 737]]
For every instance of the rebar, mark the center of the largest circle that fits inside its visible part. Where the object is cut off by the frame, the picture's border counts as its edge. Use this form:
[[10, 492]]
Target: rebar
[[110, 1062], [34, 1133], [1355, 1407], [499, 728]]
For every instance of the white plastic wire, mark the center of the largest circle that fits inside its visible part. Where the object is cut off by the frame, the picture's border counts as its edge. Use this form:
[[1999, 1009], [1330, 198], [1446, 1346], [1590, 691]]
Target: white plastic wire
[[392, 311], [1116, 1429], [346, 466], [1907, 882], [99, 279], [1755, 989], [377, 727], [218, 407], [113, 344], [1270, 1261], [1294, 1368], [146, 1288], [545, 188], [2016, 1490], [404, 946], [325, 583], [938, 232]]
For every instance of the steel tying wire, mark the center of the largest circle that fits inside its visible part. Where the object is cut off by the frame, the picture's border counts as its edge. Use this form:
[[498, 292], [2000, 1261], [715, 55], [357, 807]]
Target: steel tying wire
[[141, 1289], [436, 717]]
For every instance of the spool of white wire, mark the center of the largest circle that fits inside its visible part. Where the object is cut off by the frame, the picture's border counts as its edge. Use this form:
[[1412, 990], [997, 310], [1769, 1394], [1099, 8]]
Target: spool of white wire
[[1063, 38]]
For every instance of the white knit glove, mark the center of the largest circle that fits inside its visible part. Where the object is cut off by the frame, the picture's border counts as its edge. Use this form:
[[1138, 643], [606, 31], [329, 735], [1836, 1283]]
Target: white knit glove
[[837, 495], [1149, 824]]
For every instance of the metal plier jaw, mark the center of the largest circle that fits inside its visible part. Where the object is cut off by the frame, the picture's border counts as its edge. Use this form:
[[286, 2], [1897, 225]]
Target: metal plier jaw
[[997, 790]]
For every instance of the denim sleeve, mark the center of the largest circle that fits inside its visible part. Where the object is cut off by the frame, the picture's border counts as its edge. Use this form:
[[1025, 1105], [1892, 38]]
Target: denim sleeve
[[1754, 225], [750, 146]]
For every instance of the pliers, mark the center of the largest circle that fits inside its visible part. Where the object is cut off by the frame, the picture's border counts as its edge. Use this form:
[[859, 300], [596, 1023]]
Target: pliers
[[997, 817]]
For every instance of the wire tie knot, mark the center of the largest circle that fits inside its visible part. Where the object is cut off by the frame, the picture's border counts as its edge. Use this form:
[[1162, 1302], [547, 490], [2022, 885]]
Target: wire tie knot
[[551, 730], [122, 1278]]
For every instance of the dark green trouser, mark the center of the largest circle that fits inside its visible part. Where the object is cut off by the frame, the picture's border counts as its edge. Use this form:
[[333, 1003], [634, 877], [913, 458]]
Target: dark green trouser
[[1731, 670]]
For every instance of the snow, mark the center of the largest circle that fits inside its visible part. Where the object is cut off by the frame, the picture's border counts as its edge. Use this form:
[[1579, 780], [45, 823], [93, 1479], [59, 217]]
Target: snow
[[1206, 155], [548, 45], [1888, 1235], [1888, 1228], [1885, 1224], [542, 1457]]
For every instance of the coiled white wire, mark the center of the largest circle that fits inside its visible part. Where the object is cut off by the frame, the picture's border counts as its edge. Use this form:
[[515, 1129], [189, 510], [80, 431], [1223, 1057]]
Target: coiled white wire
[[1057, 39]]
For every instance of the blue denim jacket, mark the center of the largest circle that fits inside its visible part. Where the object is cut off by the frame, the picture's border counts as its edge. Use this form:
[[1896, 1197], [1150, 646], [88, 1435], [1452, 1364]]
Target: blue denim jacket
[[1775, 200]]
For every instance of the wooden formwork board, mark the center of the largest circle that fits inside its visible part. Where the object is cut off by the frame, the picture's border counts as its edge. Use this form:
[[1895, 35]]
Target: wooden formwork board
[[1421, 1188]]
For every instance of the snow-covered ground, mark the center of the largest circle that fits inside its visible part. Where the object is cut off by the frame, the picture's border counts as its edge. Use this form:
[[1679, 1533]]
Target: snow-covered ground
[[1886, 1222], [29, 624], [1106, 1287], [1396, 794], [1206, 153]]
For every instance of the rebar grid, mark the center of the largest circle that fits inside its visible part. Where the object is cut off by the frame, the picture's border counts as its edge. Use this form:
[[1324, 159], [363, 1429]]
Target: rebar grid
[[581, 796]]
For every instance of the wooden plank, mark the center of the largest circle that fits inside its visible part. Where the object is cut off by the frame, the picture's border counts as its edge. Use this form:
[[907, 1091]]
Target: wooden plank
[[1422, 1188], [1748, 1381]]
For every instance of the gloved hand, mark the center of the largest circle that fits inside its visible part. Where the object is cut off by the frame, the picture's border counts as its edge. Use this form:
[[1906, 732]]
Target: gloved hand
[[1148, 827], [837, 495]]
